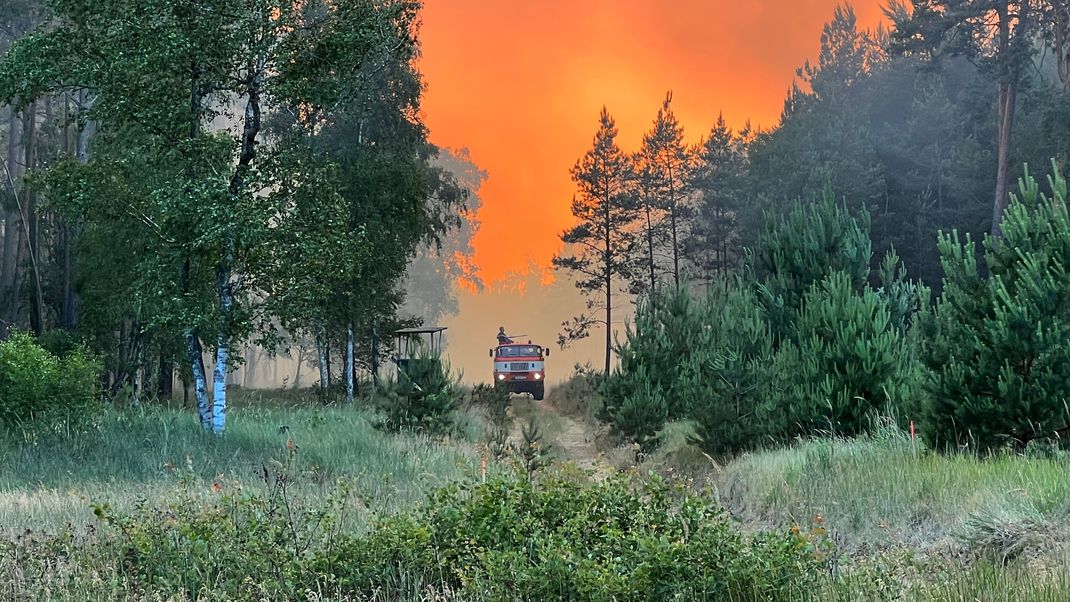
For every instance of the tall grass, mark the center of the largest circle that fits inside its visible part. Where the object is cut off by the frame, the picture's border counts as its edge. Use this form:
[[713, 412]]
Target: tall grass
[[148, 453], [886, 485]]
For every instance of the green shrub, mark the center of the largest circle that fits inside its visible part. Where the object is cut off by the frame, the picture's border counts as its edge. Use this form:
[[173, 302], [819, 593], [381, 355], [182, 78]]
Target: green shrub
[[422, 397], [495, 399], [796, 343], [803, 248], [854, 359], [997, 346], [580, 395], [40, 392], [556, 538], [59, 343], [642, 411], [551, 537]]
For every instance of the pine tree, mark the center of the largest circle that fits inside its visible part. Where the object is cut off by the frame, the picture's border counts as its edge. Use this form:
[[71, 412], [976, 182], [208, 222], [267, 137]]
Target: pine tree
[[999, 33], [719, 178], [663, 166], [996, 346], [598, 247]]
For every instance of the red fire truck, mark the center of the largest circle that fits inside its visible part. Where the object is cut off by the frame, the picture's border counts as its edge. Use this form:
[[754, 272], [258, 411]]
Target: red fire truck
[[521, 368]]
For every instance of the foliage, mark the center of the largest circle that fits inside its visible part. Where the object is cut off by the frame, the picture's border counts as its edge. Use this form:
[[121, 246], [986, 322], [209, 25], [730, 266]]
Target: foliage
[[554, 538], [422, 397], [495, 399], [533, 453], [852, 357], [720, 178], [799, 250], [599, 246], [581, 394], [796, 343], [549, 538], [663, 185], [214, 206], [40, 392], [996, 345]]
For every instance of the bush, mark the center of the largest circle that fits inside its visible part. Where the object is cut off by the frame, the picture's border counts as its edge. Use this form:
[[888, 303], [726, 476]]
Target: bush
[[551, 537], [796, 343], [422, 397], [40, 392], [853, 357], [997, 346], [803, 248], [581, 394], [557, 538], [495, 399]]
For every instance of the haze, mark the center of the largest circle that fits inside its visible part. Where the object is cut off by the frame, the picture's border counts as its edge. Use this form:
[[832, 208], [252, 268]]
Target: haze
[[521, 84]]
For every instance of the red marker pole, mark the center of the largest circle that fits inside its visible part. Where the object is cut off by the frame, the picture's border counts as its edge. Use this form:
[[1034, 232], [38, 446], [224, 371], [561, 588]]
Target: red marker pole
[[484, 469], [911, 430]]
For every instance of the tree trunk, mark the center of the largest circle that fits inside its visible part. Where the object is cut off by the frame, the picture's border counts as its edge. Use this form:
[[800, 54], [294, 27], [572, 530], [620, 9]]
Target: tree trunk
[[609, 277], [325, 372], [195, 356], [32, 219], [219, 386], [327, 360], [165, 386], [12, 232], [225, 293], [1062, 41], [225, 268], [1011, 48], [72, 230], [252, 357], [300, 363], [1007, 98], [375, 355], [675, 237], [349, 364], [650, 249]]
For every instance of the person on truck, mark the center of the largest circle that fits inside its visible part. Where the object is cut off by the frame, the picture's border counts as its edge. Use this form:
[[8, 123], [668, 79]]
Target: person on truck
[[503, 339]]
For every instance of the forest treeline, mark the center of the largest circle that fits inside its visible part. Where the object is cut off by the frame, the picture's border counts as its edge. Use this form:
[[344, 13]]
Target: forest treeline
[[924, 124], [883, 253], [184, 179]]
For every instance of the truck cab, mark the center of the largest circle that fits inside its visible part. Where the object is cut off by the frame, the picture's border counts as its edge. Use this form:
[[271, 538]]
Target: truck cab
[[521, 368]]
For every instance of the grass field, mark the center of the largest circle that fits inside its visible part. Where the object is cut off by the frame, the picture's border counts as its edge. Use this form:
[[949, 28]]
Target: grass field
[[150, 453], [904, 523], [967, 528]]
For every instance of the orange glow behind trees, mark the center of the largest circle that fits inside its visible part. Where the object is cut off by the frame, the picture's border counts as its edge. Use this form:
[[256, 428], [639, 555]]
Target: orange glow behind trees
[[521, 85]]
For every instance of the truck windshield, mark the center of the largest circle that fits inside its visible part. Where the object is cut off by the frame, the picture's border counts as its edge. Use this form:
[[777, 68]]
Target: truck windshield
[[519, 351]]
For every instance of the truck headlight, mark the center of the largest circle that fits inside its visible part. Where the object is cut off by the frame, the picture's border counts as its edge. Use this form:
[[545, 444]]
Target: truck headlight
[[538, 376], [501, 377]]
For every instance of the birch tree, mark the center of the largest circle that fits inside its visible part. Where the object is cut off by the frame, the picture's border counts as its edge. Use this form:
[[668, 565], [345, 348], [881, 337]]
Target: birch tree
[[376, 198], [186, 87]]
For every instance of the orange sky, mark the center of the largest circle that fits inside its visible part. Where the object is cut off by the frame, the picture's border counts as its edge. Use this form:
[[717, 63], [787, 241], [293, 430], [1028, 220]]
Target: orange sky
[[520, 83]]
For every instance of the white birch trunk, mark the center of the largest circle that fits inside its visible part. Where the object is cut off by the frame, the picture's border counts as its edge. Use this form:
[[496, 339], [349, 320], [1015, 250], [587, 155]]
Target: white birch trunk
[[349, 364], [219, 387]]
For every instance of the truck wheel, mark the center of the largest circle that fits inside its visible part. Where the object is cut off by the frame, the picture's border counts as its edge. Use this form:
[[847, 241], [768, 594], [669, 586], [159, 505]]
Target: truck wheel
[[539, 393]]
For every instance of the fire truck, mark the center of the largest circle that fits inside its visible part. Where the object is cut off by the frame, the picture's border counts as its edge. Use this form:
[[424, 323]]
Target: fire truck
[[521, 368]]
